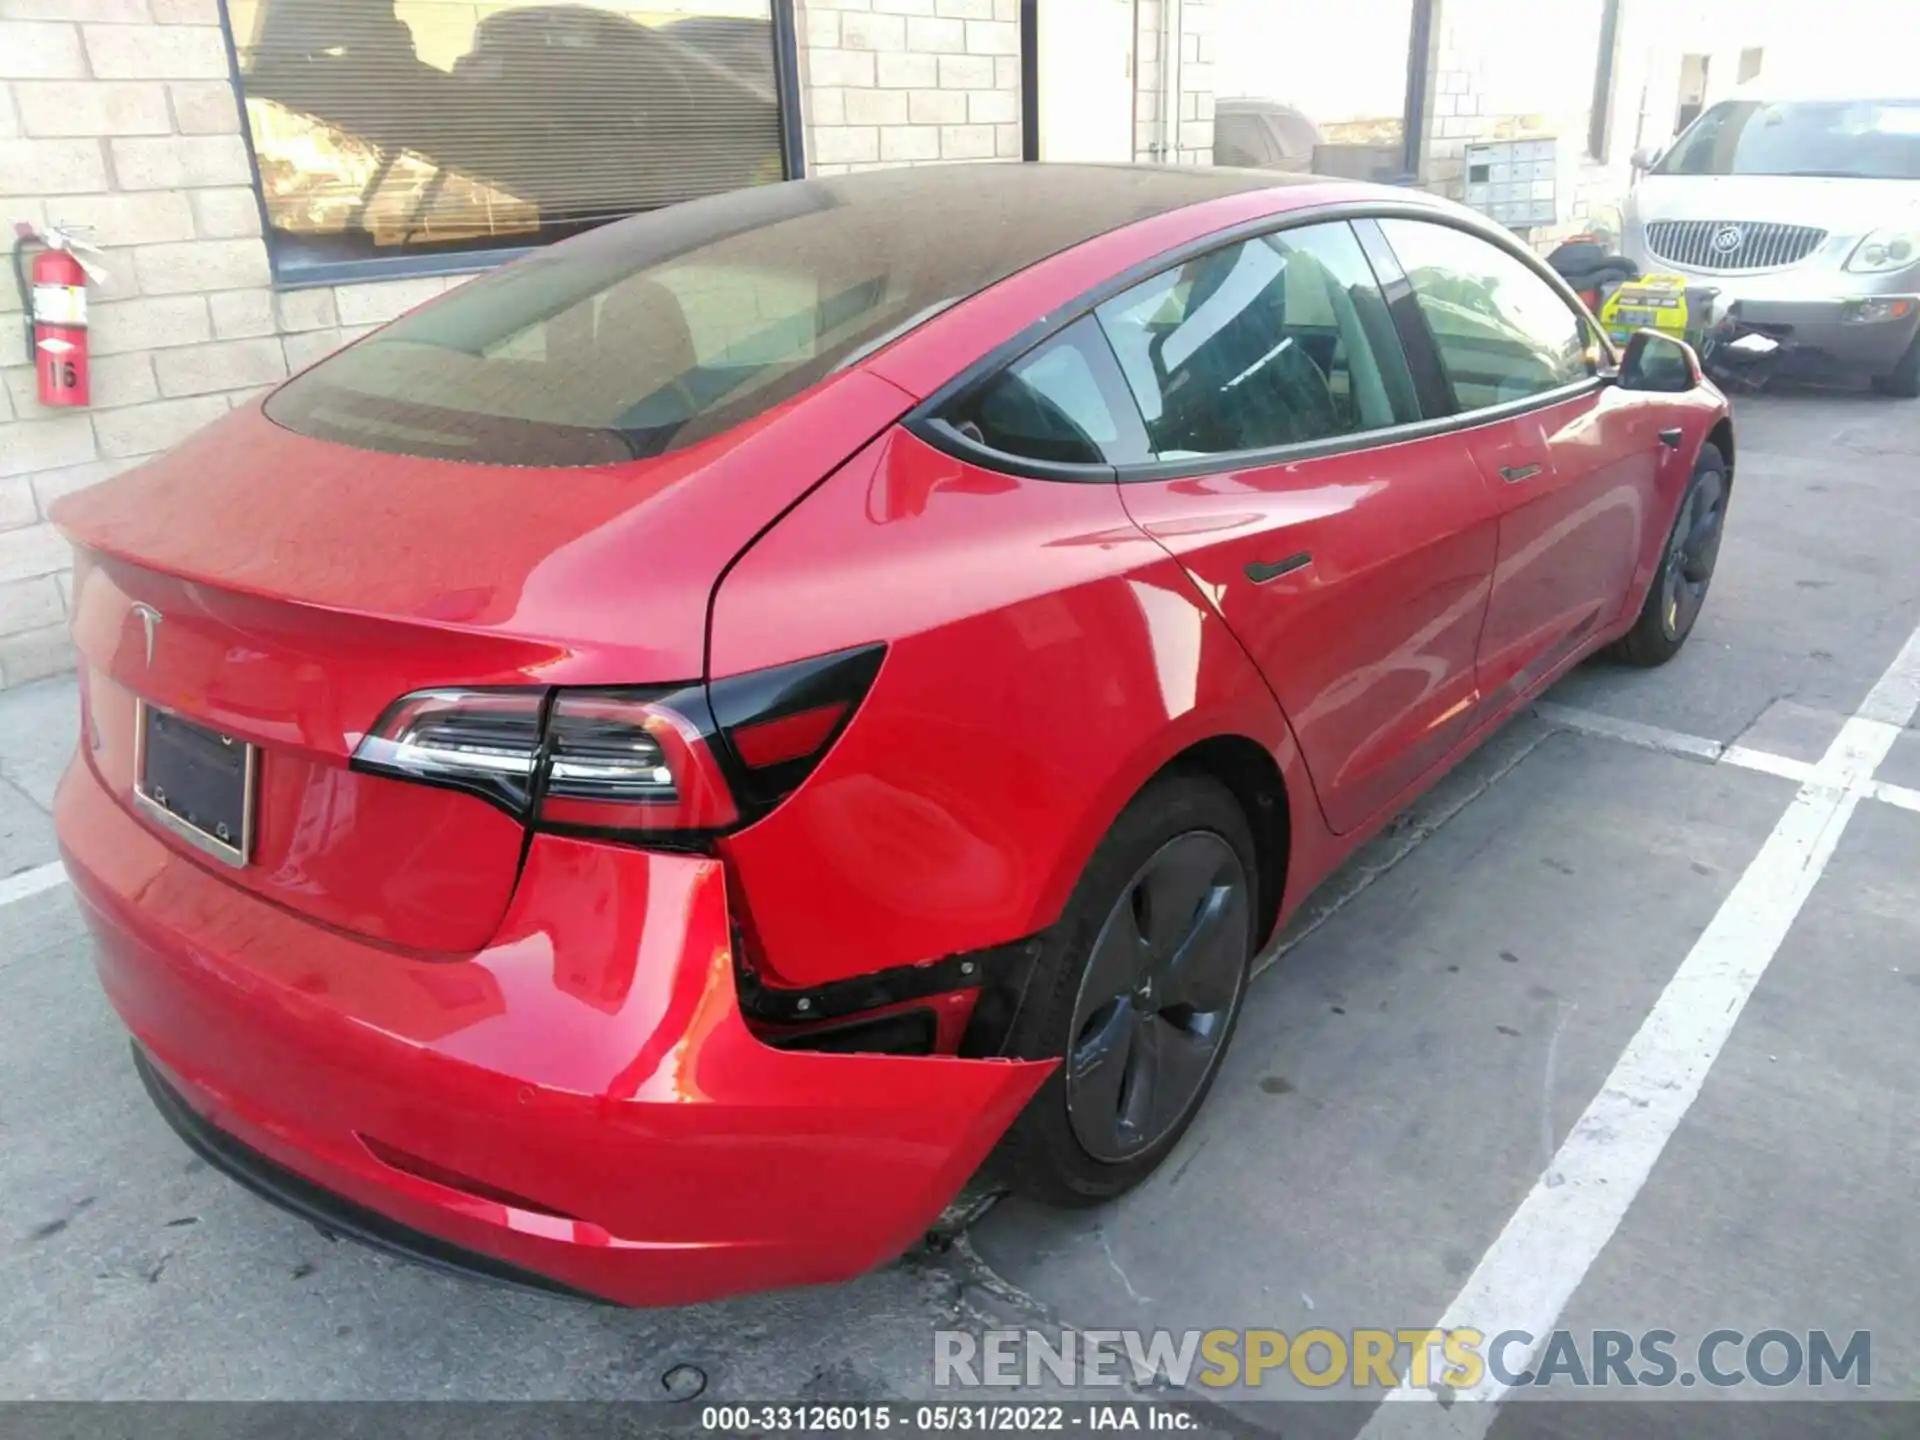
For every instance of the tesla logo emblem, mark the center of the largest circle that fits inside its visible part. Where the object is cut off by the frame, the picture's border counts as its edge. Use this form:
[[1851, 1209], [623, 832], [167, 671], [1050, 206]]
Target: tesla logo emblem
[[1728, 239], [150, 619]]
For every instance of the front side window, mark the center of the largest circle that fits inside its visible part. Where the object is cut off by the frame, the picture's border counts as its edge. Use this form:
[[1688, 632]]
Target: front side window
[[1280, 340], [1503, 332], [1049, 405], [396, 129], [1847, 139]]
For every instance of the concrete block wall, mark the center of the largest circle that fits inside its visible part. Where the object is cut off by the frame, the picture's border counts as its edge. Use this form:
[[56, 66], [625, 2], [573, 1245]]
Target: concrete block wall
[[1191, 141], [1495, 77], [1195, 130], [909, 82], [121, 115]]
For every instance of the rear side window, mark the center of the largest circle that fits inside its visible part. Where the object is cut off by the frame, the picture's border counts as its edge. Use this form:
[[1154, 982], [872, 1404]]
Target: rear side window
[[1048, 405], [1503, 332], [1280, 340]]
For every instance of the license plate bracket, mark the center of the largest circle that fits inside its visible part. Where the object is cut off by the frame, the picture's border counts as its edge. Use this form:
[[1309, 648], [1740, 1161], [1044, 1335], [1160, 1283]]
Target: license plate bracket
[[196, 782]]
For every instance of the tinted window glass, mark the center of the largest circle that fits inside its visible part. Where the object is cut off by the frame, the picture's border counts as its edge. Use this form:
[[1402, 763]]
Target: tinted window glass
[[1047, 405], [1279, 340], [1503, 332], [391, 128], [662, 331]]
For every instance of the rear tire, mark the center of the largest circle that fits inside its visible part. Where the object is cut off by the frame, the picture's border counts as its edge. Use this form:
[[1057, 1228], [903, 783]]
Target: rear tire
[[1904, 380], [1679, 588], [1163, 918]]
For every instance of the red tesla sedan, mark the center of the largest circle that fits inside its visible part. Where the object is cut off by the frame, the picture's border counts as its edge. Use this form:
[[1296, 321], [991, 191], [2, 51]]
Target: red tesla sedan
[[642, 775]]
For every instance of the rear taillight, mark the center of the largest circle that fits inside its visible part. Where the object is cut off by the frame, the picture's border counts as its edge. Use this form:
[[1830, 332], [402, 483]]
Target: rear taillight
[[481, 741], [621, 761], [776, 724], [672, 764]]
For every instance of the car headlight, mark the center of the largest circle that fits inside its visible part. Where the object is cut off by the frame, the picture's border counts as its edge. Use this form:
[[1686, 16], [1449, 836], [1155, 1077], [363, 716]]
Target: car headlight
[[1894, 248]]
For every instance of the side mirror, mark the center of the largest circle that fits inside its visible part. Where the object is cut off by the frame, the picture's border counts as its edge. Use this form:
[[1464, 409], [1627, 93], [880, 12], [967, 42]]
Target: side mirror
[[1645, 158], [1659, 363]]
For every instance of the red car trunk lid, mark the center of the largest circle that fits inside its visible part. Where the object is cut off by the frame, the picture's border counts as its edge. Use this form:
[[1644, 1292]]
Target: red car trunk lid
[[301, 586]]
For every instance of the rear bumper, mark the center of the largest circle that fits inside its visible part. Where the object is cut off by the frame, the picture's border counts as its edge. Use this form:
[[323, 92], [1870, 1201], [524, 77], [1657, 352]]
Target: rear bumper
[[333, 1214], [578, 1106]]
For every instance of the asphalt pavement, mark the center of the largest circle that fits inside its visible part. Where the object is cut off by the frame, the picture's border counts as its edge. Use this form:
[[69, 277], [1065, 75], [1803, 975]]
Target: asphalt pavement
[[1611, 1032]]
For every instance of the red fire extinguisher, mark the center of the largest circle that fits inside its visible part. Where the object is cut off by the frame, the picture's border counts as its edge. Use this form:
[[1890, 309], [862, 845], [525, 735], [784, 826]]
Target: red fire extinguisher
[[57, 309]]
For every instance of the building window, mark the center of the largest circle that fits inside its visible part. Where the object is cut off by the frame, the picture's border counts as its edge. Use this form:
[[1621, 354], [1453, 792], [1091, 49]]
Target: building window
[[1750, 62], [405, 136], [1694, 70], [1305, 86], [1600, 119]]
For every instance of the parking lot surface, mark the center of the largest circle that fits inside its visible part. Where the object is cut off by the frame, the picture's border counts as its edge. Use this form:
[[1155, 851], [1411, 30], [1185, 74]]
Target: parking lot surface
[[1613, 1031]]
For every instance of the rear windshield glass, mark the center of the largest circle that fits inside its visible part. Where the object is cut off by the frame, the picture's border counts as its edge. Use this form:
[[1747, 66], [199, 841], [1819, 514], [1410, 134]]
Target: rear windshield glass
[[659, 332], [1847, 139]]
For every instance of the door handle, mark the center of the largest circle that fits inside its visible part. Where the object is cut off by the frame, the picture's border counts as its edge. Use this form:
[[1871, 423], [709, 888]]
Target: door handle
[[1514, 474], [1671, 438], [1260, 572]]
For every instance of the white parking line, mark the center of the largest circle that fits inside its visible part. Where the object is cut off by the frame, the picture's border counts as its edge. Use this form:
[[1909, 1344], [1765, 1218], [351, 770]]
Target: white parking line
[[1527, 1276], [32, 882], [1671, 742], [1897, 795]]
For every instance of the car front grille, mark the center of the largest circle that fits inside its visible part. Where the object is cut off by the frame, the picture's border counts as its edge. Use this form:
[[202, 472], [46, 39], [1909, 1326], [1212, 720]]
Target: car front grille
[[1731, 244]]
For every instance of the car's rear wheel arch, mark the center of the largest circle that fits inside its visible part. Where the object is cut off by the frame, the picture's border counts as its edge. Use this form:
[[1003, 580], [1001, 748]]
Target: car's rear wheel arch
[[1253, 777], [1721, 438]]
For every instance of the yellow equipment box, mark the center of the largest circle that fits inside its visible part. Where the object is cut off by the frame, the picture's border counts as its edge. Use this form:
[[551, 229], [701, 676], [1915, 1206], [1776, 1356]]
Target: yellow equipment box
[[1653, 302]]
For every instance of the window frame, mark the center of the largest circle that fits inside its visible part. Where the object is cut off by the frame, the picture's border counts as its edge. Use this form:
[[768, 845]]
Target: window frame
[[1420, 57], [786, 75], [1600, 118], [1423, 58], [1428, 344], [926, 421]]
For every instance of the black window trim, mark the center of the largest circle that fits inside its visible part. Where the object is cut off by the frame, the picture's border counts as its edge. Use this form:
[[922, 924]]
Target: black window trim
[[925, 421], [786, 81], [1112, 383], [1432, 388]]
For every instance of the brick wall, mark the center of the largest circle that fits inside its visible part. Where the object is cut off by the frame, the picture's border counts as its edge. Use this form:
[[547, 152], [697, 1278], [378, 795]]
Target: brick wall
[[909, 82], [1191, 140]]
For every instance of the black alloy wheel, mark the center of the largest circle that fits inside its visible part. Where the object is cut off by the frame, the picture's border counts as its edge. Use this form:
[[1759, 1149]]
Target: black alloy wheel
[[1691, 553], [1679, 588], [1158, 996]]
